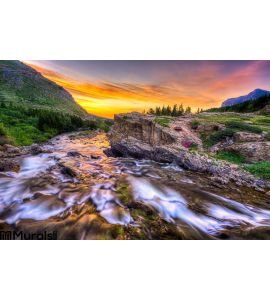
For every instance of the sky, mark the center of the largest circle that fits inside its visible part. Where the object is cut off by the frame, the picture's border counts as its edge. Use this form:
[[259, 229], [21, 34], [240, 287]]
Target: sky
[[105, 88]]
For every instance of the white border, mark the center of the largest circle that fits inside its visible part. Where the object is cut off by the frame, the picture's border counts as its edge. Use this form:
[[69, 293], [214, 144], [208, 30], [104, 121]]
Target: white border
[[122, 29]]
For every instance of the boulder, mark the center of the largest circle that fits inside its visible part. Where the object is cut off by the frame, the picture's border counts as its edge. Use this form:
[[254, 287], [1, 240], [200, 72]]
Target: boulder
[[210, 127], [252, 151], [12, 149], [67, 168], [35, 149], [9, 165], [74, 154], [244, 137]]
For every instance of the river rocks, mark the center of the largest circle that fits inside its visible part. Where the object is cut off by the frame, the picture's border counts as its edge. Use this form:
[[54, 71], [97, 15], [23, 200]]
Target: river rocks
[[67, 168], [35, 149], [12, 149], [9, 165], [244, 137], [253, 151], [93, 156], [74, 154], [9, 151]]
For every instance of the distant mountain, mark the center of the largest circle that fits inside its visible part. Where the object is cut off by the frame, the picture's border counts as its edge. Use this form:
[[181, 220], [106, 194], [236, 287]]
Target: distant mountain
[[22, 85], [254, 95]]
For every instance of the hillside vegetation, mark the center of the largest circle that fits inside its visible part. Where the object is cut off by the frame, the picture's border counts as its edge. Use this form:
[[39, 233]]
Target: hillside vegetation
[[22, 85], [245, 107], [34, 109]]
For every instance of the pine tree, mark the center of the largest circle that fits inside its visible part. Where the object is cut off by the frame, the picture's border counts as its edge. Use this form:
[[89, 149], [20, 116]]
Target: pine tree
[[174, 110], [163, 111], [151, 111], [169, 111], [188, 110], [180, 110]]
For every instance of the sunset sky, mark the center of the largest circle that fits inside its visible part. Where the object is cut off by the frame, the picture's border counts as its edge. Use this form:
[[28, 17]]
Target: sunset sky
[[108, 87]]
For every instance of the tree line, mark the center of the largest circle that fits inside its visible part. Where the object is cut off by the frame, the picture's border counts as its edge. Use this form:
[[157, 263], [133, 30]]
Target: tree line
[[47, 119], [174, 111], [244, 107]]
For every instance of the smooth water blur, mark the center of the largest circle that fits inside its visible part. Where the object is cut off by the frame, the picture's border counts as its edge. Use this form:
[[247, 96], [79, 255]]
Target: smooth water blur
[[43, 189]]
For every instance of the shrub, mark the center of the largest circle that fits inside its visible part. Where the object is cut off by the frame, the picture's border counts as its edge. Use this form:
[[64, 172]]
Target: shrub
[[260, 169], [242, 126], [219, 136], [163, 121], [194, 124], [230, 157], [2, 129]]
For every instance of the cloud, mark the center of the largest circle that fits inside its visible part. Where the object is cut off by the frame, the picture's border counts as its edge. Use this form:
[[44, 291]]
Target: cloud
[[197, 84]]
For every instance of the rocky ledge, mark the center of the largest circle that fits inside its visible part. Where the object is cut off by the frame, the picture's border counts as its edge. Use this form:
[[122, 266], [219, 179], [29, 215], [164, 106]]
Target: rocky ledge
[[139, 136]]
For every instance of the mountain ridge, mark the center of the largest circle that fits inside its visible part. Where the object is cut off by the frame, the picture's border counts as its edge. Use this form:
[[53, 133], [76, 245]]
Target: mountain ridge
[[255, 94]]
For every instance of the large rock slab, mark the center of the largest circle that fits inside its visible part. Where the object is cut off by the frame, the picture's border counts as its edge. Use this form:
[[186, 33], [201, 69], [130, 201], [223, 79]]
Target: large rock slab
[[244, 137], [253, 151]]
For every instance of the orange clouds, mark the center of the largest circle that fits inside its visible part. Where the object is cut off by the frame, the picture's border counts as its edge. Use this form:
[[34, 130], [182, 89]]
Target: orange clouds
[[106, 98], [201, 84]]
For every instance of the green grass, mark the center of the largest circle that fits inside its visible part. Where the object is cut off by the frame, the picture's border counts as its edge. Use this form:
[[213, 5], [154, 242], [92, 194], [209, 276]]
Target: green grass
[[194, 124], [163, 121], [217, 137], [259, 169], [233, 122], [261, 120], [241, 126], [230, 157], [223, 117]]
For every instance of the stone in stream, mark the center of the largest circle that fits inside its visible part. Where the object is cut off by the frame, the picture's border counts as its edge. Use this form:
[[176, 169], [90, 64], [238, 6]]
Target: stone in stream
[[9, 165], [73, 154]]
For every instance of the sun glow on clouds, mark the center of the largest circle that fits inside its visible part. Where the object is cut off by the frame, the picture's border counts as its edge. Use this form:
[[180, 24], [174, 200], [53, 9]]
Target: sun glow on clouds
[[205, 85]]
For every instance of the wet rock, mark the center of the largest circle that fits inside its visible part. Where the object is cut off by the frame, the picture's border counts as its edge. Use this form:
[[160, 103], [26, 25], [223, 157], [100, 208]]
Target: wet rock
[[68, 169], [36, 149], [73, 154], [93, 156], [9, 165], [108, 152]]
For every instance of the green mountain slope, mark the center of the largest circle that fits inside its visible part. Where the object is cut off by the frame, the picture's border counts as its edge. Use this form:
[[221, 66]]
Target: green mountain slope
[[34, 109], [22, 85]]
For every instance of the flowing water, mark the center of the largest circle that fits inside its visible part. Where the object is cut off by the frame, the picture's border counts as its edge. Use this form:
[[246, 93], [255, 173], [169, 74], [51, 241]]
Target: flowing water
[[74, 189]]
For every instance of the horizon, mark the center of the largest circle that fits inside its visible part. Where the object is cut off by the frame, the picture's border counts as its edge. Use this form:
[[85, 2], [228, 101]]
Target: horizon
[[105, 88]]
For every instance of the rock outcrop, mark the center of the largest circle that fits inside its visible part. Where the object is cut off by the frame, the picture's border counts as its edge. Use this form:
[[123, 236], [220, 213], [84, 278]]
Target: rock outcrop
[[139, 136], [246, 137], [252, 151]]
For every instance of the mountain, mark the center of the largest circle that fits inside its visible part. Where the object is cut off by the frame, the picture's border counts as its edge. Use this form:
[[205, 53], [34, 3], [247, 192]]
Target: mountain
[[22, 85], [254, 95]]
